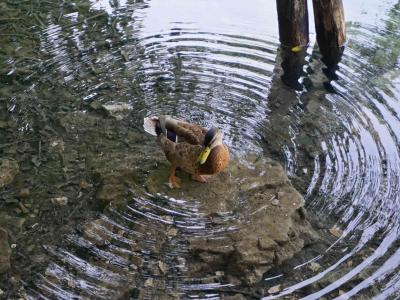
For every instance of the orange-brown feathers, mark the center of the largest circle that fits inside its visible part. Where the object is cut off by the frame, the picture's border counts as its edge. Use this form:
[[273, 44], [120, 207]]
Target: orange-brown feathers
[[183, 143], [216, 161]]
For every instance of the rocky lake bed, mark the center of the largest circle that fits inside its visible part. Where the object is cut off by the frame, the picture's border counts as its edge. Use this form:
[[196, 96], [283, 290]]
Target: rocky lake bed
[[240, 224]]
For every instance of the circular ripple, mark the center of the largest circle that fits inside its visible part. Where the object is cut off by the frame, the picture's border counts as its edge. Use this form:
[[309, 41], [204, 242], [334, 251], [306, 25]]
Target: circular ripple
[[341, 149]]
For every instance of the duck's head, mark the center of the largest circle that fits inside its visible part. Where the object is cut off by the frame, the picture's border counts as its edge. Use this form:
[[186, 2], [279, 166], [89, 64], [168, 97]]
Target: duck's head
[[212, 139]]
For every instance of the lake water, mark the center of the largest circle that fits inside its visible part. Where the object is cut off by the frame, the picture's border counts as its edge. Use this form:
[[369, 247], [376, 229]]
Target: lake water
[[212, 63]]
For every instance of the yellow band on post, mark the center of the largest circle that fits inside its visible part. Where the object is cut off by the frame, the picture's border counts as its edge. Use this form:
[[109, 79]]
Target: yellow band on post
[[296, 49], [204, 155]]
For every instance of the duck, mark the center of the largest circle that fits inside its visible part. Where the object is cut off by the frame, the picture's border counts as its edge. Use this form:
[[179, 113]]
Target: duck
[[192, 148]]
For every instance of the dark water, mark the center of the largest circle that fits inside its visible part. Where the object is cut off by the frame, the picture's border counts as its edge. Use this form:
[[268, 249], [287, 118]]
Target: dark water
[[210, 62]]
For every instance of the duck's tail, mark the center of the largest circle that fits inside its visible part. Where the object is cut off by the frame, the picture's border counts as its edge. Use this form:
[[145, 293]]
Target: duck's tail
[[158, 125], [150, 124]]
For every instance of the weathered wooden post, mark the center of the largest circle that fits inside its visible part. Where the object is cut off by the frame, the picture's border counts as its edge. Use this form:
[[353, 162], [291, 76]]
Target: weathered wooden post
[[293, 22], [293, 35], [331, 30]]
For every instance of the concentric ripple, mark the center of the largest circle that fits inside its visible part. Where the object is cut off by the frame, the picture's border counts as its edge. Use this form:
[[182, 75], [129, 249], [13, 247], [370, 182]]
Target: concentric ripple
[[340, 147]]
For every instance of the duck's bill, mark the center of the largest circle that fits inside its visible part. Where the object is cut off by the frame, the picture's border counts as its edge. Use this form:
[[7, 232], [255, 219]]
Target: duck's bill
[[204, 155]]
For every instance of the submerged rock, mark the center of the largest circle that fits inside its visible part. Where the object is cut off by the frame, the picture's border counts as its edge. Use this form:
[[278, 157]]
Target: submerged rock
[[62, 201], [258, 214], [12, 224], [8, 170], [118, 110], [5, 251], [115, 186], [269, 218]]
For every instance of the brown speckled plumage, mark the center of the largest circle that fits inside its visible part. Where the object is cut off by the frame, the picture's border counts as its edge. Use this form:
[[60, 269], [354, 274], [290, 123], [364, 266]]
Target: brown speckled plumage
[[185, 153]]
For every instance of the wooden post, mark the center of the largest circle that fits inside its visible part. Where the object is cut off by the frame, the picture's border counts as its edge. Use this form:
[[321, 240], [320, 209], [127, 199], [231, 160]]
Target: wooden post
[[293, 22], [293, 35], [331, 30]]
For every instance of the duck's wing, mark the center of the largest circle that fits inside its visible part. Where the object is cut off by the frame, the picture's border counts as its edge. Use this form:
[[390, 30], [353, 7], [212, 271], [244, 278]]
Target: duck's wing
[[176, 130], [186, 132], [181, 154]]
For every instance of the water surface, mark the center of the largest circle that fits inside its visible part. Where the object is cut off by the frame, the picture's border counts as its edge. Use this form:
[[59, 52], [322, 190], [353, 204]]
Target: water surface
[[209, 62]]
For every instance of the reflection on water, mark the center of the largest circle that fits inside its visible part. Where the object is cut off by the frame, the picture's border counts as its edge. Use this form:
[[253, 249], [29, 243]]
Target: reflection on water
[[211, 63]]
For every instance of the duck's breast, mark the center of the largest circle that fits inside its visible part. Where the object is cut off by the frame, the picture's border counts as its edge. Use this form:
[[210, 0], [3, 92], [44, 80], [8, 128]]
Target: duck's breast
[[216, 162]]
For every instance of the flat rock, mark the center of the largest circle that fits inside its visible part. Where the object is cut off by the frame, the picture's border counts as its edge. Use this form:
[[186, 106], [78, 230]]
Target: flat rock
[[8, 170], [266, 231], [118, 110], [258, 214], [12, 224], [115, 186]]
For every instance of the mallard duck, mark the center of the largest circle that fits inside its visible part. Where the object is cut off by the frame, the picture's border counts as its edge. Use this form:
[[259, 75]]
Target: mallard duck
[[192, 148]]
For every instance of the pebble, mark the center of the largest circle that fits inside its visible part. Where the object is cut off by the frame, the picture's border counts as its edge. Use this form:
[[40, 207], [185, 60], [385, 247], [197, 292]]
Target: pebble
[[336, 231], [275, 289], [172, 231], [24, 193], [71, 283], [60, 201], [149, 282], [350, 263], [314, 266], [1, 292], [23, 208], [162, 266], [275, 202], [181, 261]]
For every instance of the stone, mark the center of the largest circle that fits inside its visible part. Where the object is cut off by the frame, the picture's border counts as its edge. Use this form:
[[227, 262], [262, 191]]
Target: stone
[[149, 282], [57, 146], [115, 186], [272, 235], [118, 110], [265, 234], [275, 289], [172, 231], [12, 224], [275, 202], [315, 267], [162, 266], [62, 201], [24, 193], [5, 251], [23, 208], [336, 231], [8, 170]]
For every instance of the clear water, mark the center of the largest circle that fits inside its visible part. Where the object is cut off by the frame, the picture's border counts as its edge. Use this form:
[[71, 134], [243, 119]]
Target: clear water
[[212, 62]]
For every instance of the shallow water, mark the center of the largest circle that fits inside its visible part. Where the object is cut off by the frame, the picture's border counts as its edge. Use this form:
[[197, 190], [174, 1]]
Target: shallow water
[[209, 62]]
